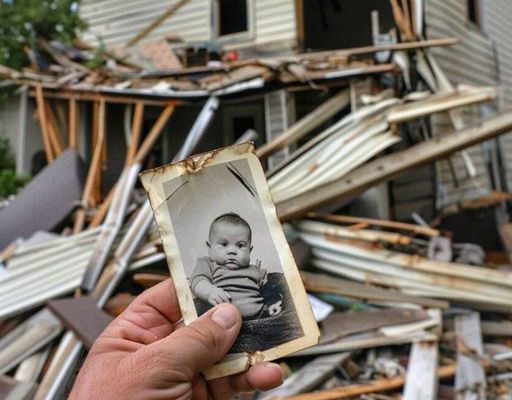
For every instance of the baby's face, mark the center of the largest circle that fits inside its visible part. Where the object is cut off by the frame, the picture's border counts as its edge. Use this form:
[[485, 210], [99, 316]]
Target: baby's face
[[230, 245]]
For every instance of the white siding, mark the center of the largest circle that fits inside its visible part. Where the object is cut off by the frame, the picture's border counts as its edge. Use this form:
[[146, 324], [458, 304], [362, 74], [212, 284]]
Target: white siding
[[497, 23], [470, 61], [117, 21], [274, 21]]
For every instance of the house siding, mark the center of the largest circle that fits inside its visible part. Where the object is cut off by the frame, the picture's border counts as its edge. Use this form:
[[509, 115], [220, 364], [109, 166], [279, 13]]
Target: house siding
[[115, 22], [496, 21], [471, 61]]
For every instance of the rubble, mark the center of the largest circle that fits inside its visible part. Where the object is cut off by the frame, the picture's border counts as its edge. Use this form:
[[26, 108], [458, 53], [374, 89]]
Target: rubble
[[403, 324]]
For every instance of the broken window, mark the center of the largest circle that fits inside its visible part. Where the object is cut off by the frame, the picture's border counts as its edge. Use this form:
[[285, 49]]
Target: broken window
[[232, 17], [474, 12]]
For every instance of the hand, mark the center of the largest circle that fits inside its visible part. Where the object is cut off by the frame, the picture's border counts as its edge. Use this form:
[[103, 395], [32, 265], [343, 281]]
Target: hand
[[142, 355], [218, 296]]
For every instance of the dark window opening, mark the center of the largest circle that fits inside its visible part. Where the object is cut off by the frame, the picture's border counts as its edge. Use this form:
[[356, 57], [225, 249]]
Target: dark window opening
[[232, 17], [242, 125], [337, 24], [473, 12]]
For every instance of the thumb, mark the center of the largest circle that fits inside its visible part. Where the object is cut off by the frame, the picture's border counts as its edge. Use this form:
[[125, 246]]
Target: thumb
[[199, 345]]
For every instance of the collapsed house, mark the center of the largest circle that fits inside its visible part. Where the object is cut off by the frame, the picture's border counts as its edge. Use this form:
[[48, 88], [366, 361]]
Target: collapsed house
[[438, 303]]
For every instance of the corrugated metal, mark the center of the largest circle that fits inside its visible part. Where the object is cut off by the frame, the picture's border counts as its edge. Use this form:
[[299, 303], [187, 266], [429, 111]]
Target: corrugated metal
[[471, 61], [117, 21]]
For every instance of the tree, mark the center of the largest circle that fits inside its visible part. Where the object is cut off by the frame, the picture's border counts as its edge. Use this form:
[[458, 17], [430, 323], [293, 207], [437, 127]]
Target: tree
[[23, 21]]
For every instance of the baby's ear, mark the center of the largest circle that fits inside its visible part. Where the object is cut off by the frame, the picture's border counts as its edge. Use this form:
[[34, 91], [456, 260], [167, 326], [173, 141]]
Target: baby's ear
[[208, 244]]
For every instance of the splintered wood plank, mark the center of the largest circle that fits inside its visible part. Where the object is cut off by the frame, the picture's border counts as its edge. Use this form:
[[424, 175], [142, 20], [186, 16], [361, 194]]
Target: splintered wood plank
[[157, 22], [349, 219], [386, 167], [136, 156], [338, 325], [154, 134], [41, 112], [470, 381], [496, 328], [421, 377], [87, 196], [308, 377], [55, 138], [302, 127], [440, 102], [329, 284], [136, 132], [377, 386], [73, 124]]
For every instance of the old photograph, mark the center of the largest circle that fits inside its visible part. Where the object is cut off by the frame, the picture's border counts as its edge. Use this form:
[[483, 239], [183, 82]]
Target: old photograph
[[224, 244]]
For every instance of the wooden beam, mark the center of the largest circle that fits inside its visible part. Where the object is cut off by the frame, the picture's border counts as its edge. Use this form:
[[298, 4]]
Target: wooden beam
[[41, 111], [111, 99], [470, 381], [157, 22], [136, 132], [299, 23], [421, 377], [305, 125], [348, 219], [380, 385], [441, 102], [308, 377], [73, 124], [55, 138], [133, 155], [93, 169], [392, 165], [357, 51], [320, 283], [153, 134]]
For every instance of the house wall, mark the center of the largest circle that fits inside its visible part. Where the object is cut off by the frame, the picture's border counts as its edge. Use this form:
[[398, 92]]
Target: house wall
[[496, 22], [471, 61], [11, 129], [117, 21]]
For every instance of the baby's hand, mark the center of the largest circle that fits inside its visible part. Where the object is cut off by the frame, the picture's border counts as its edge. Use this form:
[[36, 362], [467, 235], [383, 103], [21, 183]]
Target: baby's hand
[[218, 296]]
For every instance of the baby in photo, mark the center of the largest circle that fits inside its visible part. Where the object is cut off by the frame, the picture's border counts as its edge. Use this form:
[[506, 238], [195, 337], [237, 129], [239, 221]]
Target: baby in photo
[[226, 274]]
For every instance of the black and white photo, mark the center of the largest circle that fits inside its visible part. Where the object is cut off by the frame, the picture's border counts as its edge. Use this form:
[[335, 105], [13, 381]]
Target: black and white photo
[[224, 243]]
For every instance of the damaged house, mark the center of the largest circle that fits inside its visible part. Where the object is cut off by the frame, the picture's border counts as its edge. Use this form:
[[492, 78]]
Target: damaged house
[[388, 110]]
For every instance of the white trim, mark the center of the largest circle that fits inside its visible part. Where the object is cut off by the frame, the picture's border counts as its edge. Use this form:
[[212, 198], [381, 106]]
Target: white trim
[[238, 37]]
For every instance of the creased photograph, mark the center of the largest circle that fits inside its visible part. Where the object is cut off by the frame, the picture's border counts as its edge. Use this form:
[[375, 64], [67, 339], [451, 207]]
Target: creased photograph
[[224, 244]]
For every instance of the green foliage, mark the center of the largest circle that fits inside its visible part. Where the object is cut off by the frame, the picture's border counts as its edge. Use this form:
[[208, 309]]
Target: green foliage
[[23, 21], [6, 159], [10, 183], [99, 55]]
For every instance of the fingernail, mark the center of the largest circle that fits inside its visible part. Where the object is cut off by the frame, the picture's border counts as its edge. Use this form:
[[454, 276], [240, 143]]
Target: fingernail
[[225, 316], [272, 366]]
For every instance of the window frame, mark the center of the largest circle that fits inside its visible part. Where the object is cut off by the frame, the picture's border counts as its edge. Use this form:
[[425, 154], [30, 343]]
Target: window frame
[[232, 37]]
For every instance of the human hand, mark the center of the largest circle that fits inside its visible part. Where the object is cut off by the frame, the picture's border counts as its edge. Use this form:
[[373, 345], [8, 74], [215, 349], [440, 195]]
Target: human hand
[[143, 354], [218, 296]]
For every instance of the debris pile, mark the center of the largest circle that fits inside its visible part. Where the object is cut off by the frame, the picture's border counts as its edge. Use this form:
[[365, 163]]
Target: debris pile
[[399, 319]]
